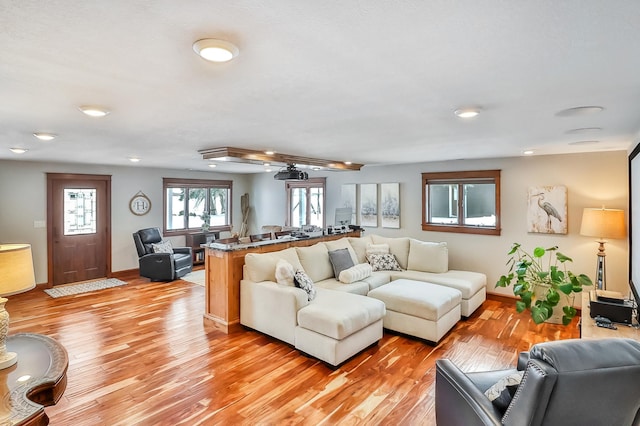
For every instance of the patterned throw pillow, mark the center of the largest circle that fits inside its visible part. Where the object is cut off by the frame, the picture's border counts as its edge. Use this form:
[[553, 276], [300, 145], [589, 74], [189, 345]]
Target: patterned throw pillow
[[502, 392], [383, 262], [302, 280], [162, 247]]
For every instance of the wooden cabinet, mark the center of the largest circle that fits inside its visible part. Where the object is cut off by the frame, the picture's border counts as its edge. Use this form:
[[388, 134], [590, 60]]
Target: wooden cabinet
[[195, 240]]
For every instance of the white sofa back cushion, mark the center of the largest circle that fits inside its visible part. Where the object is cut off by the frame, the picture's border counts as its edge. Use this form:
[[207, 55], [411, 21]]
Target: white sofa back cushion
[[340, 244], [262, 266], [428, 256], [399, 247], [360, 247], [315, 261]]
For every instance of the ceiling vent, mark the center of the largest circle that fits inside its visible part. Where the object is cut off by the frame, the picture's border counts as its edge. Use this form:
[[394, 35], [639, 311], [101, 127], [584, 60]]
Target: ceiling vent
[[291, 173]]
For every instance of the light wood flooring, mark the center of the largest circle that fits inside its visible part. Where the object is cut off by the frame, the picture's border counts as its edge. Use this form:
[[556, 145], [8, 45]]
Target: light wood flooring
[[141, 354]]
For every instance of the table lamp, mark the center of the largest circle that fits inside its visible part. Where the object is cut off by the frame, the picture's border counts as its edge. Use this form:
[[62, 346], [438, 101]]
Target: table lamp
[[16, 276], [602, 223]]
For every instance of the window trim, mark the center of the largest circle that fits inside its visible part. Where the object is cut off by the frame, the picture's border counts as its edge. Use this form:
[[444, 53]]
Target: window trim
[[309, 183], [461, 178], [194, 183]]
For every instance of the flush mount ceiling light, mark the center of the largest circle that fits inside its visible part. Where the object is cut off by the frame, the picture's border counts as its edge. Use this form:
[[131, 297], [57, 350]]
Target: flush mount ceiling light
[[134, 159], [249, 156], [94, 111], [44, 136], [581, 110], [18, 150], [215, 50], [469, 112], [213, 166]]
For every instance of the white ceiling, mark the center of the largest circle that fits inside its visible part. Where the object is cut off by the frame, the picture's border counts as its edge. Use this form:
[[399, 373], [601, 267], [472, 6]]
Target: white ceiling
[[373, 82]]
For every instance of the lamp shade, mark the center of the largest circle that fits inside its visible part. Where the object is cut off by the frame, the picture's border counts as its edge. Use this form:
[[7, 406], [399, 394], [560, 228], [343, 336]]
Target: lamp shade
[[603, 223], [16, 269]]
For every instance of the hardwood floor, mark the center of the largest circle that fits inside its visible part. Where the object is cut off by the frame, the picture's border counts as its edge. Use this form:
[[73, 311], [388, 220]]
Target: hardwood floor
[[140, 354]]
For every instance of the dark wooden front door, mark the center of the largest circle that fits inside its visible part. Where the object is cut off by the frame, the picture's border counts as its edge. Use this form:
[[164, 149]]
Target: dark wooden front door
[[78, 227]]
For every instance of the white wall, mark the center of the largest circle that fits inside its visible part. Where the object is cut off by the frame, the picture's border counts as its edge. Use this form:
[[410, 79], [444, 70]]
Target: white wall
[[592, 180], [24, 200]]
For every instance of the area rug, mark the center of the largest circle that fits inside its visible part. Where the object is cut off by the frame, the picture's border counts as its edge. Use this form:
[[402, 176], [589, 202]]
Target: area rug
[[196, 277], [69, 290]]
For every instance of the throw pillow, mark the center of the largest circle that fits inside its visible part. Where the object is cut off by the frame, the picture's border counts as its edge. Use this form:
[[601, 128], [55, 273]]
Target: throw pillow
[[355, 273], [501, 393], [303, 281], [284, 273], [377, 249], [383, 262], [340, 260], [162, 247], [428, 256]]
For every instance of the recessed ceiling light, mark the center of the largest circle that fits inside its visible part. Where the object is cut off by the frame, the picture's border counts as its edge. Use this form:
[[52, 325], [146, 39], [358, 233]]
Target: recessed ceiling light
[[94, 111], [583, 142], [269, 152], [215, 50], [469, 112], [316, 168], [268, 170], [44, 136], [266, 164], [18, 150], [583, 130], [528, 152], [581, 110], [134, 159], [213, 165], [347, 162]]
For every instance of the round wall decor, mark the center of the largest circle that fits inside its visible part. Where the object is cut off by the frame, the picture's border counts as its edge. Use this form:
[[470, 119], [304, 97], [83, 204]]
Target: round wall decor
[[140, 204]]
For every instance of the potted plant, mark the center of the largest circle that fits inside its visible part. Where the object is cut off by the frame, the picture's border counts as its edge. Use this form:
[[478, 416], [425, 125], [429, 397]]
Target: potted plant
[[541, 281]]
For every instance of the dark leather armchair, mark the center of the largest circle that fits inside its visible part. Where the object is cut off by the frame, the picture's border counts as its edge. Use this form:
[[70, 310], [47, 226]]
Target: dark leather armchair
[[565, 382], [161, 266]]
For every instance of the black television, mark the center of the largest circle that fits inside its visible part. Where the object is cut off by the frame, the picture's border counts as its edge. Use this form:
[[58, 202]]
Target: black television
[[634, 223]]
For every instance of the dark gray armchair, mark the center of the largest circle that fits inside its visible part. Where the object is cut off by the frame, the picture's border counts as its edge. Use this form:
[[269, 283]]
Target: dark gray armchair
[[565, 382], [161, 266]]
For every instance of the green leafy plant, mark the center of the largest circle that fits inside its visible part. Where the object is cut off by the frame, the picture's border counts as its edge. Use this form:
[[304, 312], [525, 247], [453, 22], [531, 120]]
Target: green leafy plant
[[541, 280]]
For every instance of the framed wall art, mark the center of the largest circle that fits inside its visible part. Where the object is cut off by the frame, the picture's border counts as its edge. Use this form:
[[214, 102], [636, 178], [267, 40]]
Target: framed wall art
[[390, 204], [547, 209], [369, 205]]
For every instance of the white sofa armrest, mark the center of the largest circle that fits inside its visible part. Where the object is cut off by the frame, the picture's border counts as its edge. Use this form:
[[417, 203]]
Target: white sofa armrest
[[271, 308]]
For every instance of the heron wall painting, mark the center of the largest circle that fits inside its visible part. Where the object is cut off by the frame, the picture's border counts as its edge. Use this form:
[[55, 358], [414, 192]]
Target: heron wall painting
[[547, 209]]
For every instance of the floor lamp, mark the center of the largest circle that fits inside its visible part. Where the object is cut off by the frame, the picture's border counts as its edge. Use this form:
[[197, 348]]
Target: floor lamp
[[16, 276], [603, 224]]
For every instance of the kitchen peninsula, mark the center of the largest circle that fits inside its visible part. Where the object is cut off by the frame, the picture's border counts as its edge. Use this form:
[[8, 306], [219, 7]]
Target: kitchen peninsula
[[223, 272]]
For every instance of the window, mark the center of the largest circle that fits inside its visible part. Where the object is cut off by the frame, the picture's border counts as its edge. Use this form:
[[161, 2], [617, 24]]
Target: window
[[305, 202], [466, 202], [189, 203]]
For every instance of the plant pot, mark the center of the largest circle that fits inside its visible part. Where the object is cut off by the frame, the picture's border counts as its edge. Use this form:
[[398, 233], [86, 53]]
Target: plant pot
[[540, 293]]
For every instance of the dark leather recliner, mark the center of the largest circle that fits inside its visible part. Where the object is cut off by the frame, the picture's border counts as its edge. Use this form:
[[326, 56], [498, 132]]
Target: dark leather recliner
[[566, 382], [161, 266]]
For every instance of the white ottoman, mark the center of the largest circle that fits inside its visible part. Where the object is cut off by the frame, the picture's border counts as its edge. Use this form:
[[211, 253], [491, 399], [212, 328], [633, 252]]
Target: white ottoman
[[337, 325], [418, 308]]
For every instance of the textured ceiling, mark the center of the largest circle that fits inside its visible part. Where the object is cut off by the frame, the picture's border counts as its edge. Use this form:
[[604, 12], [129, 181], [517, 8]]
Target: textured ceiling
[[373, 82]]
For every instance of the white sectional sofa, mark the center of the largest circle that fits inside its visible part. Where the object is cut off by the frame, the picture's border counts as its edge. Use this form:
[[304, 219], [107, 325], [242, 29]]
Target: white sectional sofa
[[341, 320]]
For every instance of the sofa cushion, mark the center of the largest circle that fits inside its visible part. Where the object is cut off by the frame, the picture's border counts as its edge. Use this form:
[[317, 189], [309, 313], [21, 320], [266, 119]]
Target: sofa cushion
[[359, 246], [285, 273], [356, 287], [162, 247], [303, 281], [377, 279], [383, 262], [377, 249], [468, 283], [355, 273], [428, 257], [340, 244], [262, 266], [315, 261], [340, 260], [337, 314], [399, 247]]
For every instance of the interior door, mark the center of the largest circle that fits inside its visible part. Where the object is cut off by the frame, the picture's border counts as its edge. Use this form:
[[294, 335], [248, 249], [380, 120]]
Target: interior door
[[78, 227]]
